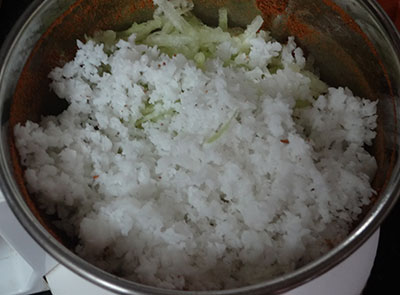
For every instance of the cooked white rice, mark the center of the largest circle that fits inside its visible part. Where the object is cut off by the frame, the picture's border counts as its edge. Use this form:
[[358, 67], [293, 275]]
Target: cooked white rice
[[239, 176]]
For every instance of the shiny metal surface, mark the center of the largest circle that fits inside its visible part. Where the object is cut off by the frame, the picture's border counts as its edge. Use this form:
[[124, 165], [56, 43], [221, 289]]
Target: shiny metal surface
[[343, 55]]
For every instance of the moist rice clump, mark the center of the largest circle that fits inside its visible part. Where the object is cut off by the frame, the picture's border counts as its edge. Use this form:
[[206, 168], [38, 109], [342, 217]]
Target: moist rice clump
[[199, 174]]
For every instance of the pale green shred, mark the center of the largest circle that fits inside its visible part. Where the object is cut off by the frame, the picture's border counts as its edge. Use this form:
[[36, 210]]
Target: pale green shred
[[275, 64], [150, 112], [167, 40], [174, 17], [193, 20], [317, 86], [141, 30], [107, 38], [199, 58], [148, 109], [223, 19], [221, 130], [302, 103], [153, 117], [167, 28], [253, 28]]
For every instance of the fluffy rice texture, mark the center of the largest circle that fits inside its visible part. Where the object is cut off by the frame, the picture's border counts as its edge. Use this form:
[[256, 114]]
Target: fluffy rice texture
[[177, 202]]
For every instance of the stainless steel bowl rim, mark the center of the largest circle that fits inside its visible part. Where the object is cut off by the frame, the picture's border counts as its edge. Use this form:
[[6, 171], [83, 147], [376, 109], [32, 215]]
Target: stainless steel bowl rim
[[118, 285]]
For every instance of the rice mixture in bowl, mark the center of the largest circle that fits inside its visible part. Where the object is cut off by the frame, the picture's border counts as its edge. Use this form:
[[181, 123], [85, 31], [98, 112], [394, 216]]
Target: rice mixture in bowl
[[199, 158]]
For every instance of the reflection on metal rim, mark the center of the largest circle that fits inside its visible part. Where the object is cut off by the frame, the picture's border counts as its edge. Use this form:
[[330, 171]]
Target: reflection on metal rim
[[28, 30]]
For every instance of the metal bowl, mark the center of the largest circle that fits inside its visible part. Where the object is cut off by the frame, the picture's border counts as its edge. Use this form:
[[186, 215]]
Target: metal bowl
[[353, 42]]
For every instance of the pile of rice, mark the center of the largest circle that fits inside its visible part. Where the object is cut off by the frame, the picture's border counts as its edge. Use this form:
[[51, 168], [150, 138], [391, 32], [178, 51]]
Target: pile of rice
[[239, 172]]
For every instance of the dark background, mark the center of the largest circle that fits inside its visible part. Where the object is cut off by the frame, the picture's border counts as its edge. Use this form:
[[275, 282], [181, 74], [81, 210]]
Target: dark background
[[385, 276]]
